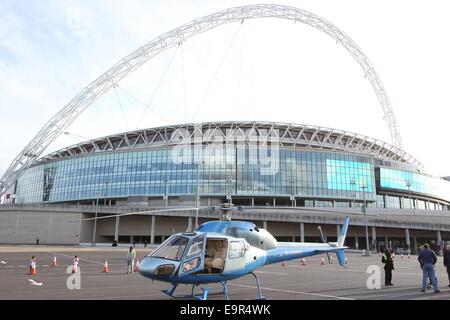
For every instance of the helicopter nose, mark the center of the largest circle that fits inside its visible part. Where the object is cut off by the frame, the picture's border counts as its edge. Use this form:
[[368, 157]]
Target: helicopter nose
[[155, 268], [147, 268]]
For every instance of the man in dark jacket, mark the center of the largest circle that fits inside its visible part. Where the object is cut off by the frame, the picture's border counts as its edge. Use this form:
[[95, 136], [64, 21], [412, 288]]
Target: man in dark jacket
[[427, 259], [447, 260], [388, 267]]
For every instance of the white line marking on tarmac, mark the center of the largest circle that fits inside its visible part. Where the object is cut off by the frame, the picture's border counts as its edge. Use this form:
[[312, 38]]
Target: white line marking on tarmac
[[270, 272], [84, 259], [9, 266], [290, 291]]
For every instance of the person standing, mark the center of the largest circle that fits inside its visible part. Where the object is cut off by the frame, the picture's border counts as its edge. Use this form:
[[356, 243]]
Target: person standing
[[427, 259], [388, 267], [131, 257], [447, 260], [75, 263], [32, 264]]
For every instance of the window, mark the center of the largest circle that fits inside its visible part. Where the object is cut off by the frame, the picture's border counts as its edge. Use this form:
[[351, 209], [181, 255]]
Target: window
[[196, 247], [237, 249], [171, 249], [191, 264]]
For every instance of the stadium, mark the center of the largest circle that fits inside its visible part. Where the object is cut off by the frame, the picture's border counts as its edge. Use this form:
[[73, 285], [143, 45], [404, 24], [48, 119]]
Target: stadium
[[285, 177]]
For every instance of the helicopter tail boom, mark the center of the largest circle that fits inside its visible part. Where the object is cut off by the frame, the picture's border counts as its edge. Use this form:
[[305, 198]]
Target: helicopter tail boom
[[294, 250]]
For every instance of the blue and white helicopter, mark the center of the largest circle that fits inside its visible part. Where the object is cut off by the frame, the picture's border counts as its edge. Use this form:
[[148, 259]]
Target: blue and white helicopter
[[223, 250]]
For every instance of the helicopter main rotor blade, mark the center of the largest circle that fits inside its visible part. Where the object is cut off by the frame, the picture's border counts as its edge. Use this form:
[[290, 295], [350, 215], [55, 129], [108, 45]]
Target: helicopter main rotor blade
[[137, 213]]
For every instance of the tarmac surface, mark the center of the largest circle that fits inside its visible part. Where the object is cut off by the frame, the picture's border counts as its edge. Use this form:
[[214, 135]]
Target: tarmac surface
[[292, 282]]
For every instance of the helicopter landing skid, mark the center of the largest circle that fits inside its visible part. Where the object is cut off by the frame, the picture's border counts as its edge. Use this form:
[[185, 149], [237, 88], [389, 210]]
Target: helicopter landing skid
[[204, 296], [260, 296], [170, 292]]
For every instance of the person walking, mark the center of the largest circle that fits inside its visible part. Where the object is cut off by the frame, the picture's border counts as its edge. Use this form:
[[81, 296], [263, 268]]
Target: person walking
[[447, 260], [388, 267], [131, 257], [427, 259]]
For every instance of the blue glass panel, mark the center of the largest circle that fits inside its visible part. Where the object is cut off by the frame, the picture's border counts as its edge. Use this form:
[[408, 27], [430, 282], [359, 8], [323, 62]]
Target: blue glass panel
[[349, 175], [414, 182]]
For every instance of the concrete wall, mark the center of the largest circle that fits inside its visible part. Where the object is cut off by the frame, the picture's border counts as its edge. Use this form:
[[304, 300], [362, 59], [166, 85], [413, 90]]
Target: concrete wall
[[24, 227], [141, 226]]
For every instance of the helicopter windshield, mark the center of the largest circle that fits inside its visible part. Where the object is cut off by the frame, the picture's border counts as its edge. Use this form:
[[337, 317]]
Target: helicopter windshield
[[172, 249]]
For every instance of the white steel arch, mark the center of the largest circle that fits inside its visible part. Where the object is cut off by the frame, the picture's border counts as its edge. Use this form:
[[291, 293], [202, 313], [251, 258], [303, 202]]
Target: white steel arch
[[56, 125]]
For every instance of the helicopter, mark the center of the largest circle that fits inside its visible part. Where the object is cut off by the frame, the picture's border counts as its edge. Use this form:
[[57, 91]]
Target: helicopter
[[222, 250]]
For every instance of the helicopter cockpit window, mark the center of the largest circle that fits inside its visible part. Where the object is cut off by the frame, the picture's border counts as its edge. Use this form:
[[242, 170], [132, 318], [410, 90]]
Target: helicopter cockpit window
[[196, 247], [172, 249], [237, 249]]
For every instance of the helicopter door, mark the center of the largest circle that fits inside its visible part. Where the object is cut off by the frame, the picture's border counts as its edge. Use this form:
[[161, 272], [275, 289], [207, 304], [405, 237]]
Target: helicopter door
[[236, 255], [194, 259]]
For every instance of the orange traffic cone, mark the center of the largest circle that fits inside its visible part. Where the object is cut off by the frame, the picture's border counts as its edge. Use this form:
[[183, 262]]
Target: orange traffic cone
[[33, 268], [284, 264], [105, 267], [136, 267], [409, 256], [401, 256], [322, 261], [74, 269], [303, 261], [346, 261], [54, 264]]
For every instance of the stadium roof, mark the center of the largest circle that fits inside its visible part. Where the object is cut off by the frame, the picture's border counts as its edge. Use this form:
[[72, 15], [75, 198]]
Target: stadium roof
[[287, 135]]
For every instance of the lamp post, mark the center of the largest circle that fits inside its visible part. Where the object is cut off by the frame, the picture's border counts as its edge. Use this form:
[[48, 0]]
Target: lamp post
[[197, 192], [95, 221], [229, 181], [166, 195], [352, 182], [408, 184], [106, 188], [364, 210], [292, 181]]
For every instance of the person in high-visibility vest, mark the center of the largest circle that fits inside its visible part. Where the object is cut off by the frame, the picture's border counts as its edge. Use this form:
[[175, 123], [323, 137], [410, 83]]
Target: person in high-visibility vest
[[388, 267]]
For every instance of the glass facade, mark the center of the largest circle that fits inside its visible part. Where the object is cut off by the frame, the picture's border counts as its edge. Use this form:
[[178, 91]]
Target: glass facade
[[233, 170], [322, 179], [413, 182]]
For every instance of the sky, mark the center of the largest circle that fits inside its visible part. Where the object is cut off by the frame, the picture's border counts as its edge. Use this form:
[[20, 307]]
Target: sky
[[262, 69]]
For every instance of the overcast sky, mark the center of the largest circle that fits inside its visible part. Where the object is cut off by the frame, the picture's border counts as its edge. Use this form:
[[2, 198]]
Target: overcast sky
[[266, 69]]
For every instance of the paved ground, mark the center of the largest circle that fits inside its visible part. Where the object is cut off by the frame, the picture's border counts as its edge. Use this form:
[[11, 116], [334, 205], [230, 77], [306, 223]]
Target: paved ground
[[294, 281]]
